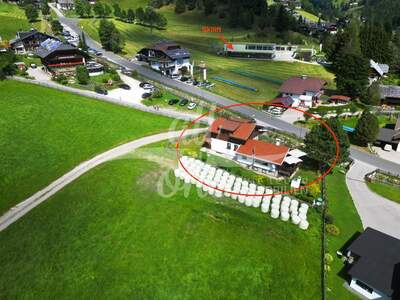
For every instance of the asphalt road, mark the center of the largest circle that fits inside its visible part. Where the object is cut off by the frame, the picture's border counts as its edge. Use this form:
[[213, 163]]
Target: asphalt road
[[375, 211], [249, 112]]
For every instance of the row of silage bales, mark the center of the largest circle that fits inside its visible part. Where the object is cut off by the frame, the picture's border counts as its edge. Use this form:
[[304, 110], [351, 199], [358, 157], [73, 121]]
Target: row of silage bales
[[220, 183]]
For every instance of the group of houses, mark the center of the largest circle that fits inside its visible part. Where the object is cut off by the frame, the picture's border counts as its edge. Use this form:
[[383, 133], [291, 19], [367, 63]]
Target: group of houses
[[69, 4], [238, 140], [57, 57]]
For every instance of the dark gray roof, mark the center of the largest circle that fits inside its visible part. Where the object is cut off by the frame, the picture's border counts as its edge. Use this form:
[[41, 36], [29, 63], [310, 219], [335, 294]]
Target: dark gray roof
[[22, 35], [43, 52], [378, 264], [388, 135], [178, 53], [389, 91]]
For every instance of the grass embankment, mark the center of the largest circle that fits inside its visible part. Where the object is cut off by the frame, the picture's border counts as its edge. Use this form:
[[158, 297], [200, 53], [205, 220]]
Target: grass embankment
[[13, 19], [306, 15], [186, 30], [111, 234], [385, 190], [44, 133], [345, 216]]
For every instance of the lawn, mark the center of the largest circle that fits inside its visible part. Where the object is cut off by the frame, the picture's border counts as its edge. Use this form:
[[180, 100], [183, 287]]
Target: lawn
[[186, 30], [111, 234], [385, 190], [341, 207], [45, 133], [13, 19], [309, 16]]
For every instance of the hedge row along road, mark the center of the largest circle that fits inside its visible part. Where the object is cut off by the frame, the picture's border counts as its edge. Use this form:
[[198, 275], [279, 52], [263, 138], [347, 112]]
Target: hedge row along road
[[249, 112]]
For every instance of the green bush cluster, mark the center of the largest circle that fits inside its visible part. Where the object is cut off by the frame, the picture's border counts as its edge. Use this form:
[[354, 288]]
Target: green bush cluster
[[332, 229]]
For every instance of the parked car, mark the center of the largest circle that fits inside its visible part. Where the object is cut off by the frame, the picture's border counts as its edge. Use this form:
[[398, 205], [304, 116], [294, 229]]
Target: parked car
[[124, 86], [192, 106], [146, 95], [33, 66], [146, 85], [100, 90], [175, 76], [183, 102], [173, 101], [98, 53]]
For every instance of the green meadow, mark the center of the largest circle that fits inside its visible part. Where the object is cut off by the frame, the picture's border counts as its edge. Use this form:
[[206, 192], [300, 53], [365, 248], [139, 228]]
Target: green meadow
[[44, 133]]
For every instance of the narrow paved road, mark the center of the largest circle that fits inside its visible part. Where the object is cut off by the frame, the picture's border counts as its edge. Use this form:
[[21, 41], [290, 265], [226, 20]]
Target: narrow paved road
[[25, 206], [249, 112], [374, 210]]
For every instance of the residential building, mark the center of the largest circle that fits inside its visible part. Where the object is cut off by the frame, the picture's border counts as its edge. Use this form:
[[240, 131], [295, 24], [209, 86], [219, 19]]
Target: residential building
[[373, 265], [377, 70], [60, 58], [166, 57], [238, 140], [65, 4], [339, 99], [260, 50], [390, 94], [390, 135], [305, 91], [26, 41]]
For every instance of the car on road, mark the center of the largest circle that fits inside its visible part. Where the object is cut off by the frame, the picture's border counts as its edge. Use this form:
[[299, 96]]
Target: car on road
[[98, 53], [124, 86], [146, 85], [183, 102], [100, 90], [146, 95], [173, 101], [191, 106]]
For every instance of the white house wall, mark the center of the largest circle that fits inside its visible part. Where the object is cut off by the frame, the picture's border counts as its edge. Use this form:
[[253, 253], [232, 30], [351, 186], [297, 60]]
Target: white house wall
[[374, 295], [221, 146]]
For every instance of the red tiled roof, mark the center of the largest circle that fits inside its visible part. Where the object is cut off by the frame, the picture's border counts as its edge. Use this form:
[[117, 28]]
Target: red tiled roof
[[340, 98], [264, 151], [244, 131], [239, 129], [299, 85], [229, 125]]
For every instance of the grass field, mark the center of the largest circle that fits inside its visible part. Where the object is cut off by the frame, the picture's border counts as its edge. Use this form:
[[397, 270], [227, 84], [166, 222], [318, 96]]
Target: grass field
[[13, 19], [341, 207], [385, 190], [186, 30], [309, 16], [111, 235], [44, 133]]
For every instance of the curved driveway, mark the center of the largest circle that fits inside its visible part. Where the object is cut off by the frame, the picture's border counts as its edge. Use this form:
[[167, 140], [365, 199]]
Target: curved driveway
[[25, 206], [375, 211]]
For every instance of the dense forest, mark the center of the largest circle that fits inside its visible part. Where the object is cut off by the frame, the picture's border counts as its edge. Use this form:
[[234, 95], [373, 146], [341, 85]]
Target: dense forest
[[387, 10]]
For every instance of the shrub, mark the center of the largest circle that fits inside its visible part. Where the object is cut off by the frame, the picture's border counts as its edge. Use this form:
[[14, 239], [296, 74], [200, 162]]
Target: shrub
[[329, 219], [157, 94], [82, 75], [328, 258], [332, 229], [314, 190], [115, 77], [60, 79]]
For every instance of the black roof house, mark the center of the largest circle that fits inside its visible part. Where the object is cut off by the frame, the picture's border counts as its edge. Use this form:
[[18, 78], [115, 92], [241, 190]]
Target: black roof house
[[165, 50], [30, 36], [390, 135], [377, 261]]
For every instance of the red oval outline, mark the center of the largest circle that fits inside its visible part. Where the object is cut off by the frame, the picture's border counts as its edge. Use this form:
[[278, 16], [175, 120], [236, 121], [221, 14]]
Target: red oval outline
[[218, 109]]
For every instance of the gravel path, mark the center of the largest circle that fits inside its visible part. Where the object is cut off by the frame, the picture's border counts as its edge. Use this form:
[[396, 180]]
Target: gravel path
[[375, 211], [25, 206]]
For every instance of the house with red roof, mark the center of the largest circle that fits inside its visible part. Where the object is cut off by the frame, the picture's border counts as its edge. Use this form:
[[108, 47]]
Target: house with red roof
[[238, 140], [305, 91]]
